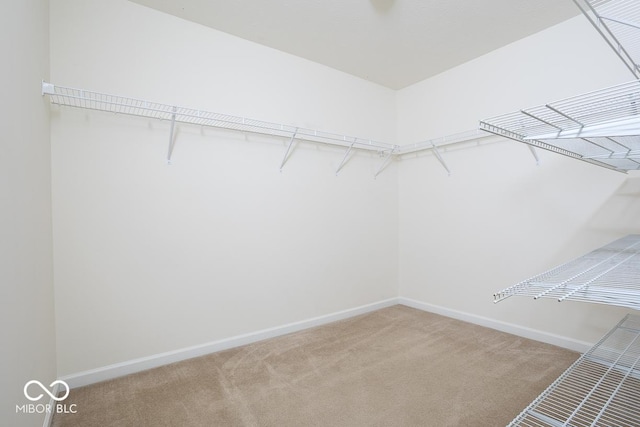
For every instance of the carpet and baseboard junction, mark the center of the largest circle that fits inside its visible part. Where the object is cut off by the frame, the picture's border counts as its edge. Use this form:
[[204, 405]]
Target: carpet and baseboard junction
[[396, 366]]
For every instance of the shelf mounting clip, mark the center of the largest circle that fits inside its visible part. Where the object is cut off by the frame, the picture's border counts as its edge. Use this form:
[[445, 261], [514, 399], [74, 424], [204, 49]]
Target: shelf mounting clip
[[48, 88]]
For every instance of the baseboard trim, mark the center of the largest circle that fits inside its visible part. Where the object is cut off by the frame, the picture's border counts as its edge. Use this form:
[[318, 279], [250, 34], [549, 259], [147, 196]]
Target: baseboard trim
[[48, 417], [534, 334], [142, 364]]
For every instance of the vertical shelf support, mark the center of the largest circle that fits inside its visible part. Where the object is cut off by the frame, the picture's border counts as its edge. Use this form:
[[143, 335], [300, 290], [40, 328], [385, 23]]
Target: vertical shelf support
[[286, 154], [171, 135], [346, 156]]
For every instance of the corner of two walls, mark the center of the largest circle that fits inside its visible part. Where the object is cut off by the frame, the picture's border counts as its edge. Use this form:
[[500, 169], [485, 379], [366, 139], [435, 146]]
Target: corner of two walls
[[26, 301], [151, 258], [499, 218]]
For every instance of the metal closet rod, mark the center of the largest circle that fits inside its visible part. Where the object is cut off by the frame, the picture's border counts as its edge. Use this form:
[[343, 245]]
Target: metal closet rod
[[80, 98]]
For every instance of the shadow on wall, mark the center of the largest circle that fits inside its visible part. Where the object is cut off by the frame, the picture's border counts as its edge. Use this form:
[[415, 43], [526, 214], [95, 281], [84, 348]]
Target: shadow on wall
[[620, 214], [616, 216], [382, 6]]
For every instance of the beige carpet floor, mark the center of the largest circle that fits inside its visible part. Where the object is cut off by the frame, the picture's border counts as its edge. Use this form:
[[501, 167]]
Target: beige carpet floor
[[394, 367]]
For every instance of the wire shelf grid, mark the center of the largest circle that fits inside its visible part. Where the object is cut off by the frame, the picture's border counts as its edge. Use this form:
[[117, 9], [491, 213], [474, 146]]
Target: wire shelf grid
[[608, 275], [80, 98], [602, 388], [600, 127], [618, 22]]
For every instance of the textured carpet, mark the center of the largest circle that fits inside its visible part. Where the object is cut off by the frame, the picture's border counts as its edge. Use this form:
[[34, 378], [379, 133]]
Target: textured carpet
[[394, 367]]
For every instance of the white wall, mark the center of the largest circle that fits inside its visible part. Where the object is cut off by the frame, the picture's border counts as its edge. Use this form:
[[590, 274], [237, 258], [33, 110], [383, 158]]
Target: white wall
[[499, 218], [26, 291], [151, 258]]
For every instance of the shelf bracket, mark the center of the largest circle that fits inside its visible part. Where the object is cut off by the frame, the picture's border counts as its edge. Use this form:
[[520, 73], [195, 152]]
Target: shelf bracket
[[440, 159], [385, 163], [171, 135], [346, 157], [286, 154], [535, 154]]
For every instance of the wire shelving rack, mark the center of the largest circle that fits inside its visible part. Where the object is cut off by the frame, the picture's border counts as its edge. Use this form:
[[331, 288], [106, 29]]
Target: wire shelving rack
[[608, 275], [81, 98], [618, 22], [602, 388], [600, 127]]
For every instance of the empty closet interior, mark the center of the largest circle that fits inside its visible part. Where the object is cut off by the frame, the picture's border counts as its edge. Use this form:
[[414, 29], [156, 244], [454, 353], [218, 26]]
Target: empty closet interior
[[202, 191]]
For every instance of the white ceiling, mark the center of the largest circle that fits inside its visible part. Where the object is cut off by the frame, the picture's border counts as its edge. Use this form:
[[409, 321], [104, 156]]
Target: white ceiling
[[391, 42]]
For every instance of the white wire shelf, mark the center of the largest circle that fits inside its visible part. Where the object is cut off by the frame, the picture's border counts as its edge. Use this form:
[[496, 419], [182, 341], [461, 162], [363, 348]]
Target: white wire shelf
[[475, 135], [80, 98], [435, 144], [608, 275], [600, 127], [602, 388], [618, 22]]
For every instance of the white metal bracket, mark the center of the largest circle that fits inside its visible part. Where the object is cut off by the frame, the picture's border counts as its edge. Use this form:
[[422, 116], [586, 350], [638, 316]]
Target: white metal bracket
[[385, 163], [171, 135], [535, 154], [286, 154], [440, 159], [346, 156], [48, 88]]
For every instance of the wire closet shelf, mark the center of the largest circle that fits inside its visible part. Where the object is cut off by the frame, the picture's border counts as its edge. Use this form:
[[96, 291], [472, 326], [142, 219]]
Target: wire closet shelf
[[602, 388], [80, 98], [86, 99], [618, 22], [600, 127], [608, 275]]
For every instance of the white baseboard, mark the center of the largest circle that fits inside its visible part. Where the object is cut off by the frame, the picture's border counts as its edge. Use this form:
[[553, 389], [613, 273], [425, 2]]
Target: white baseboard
[[137, 365], [534, 334], [48, 416]]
